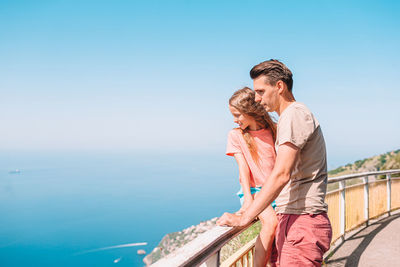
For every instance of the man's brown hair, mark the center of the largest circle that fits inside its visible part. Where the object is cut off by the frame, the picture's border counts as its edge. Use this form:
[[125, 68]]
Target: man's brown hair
[[273, 70]]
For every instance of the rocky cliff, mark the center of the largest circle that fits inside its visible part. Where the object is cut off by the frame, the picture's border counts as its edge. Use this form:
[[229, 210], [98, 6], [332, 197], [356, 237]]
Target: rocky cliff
[[175, 240]]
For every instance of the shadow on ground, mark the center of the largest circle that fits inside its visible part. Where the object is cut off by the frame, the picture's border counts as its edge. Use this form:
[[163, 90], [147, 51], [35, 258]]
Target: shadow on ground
[[348, 254]]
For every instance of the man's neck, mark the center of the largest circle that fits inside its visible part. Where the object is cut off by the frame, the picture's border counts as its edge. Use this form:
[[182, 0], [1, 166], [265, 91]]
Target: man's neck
[[284, 104], [285, 98]]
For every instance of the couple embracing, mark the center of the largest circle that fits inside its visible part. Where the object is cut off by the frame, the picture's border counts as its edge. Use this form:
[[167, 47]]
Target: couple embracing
[[282, 170]]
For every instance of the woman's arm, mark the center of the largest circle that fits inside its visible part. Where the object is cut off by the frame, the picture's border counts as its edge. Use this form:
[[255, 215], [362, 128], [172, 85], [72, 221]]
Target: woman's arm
[[244, 177]]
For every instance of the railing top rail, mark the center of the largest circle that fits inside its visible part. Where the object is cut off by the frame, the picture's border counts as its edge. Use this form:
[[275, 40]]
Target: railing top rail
[[358, 175], [198, 250]]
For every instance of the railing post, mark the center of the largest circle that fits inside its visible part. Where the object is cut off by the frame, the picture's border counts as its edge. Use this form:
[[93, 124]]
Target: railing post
[[388, 192], [342, 188], [212, 261], [366, 200]]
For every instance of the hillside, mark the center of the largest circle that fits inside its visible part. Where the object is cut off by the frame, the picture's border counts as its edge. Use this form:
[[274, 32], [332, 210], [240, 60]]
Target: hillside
[[386, 161]]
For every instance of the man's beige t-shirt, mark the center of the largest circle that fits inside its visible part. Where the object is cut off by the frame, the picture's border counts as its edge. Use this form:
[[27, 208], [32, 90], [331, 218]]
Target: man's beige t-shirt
[[306, 190]]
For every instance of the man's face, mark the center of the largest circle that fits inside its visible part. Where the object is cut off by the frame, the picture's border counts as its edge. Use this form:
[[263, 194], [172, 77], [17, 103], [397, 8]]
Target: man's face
[[266, 94]]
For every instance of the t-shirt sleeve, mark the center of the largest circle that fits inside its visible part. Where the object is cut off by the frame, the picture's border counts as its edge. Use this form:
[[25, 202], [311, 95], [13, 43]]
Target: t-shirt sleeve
[[233, 145], [296, 127]]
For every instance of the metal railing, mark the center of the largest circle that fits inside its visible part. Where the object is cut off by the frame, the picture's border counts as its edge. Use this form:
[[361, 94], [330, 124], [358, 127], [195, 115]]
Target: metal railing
[[365, 201]]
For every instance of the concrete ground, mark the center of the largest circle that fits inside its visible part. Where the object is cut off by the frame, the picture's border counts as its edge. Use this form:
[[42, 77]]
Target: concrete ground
[[376, 245]]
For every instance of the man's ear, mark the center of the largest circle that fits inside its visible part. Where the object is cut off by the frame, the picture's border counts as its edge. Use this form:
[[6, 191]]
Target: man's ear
[[280, 86]]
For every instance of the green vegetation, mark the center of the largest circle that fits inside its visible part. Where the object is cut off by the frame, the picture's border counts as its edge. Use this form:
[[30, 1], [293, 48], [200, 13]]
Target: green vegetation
[[382, 159], [236, 243], [337, 170], [251, 233], [359, 163]]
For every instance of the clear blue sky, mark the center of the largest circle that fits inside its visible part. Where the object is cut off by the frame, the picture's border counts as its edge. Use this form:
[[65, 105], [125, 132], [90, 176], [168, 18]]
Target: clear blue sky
[[156, 75]]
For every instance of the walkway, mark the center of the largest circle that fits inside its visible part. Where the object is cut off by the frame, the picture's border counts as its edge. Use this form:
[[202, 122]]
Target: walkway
[[376, 245]]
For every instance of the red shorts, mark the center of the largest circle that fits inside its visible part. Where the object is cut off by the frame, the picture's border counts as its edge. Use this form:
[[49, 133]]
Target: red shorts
[[301, 240]]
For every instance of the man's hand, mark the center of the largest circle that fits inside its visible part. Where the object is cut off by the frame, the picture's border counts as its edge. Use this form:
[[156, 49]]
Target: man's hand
[[228, 219]]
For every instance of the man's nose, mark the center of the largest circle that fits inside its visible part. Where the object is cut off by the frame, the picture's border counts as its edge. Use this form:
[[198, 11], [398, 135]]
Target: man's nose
[[257, 98]]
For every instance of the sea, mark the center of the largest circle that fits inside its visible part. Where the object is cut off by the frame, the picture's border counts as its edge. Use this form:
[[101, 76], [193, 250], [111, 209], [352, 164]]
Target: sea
[[100, 208]]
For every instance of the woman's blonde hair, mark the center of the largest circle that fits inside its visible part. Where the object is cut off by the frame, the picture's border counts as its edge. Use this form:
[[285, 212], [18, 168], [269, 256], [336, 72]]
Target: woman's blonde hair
[[244, 101]]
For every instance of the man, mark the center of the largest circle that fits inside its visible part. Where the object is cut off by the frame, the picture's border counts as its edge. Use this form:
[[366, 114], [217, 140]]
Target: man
[[299, 178]]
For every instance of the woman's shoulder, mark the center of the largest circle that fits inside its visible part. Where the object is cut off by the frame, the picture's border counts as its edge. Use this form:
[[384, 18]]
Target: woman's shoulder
[[234, 134], [235, 131]]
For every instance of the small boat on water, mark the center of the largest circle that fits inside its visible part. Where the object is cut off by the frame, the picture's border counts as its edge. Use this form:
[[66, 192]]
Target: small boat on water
[[141, 252], [15, 171]]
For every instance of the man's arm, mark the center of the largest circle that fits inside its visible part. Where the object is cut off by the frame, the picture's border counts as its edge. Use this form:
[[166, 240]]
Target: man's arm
[[280, 176]]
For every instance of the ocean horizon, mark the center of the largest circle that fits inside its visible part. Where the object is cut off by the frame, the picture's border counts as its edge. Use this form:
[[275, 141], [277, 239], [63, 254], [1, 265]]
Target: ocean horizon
[[98, 209]]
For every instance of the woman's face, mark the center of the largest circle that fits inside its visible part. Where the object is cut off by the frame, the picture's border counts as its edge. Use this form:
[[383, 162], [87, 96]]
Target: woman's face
[[242, 120]]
